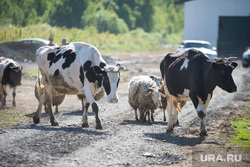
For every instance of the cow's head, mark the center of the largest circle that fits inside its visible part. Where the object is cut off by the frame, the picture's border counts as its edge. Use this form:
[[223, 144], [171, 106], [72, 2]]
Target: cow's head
[[111, 80], [12, 75], [222, 75]]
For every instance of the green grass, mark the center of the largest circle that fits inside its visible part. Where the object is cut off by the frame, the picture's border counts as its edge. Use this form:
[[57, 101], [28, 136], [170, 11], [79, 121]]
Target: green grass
[[133, 41], [31, 72], [241, 127], [11, 117]]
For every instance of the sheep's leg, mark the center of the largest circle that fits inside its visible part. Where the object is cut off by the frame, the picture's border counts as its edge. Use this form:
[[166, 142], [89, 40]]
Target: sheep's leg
[[48, 94], [152, 115], [148, 112], [136, 116], [143, 114], [141, 111], [46, 108], [164, 115], [42, 98], [56, 109]]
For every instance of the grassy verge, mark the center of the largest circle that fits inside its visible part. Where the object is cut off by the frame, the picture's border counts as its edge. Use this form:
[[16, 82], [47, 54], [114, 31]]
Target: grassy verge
[[241, 135], [10, 117], [30, 72], [133, 41]]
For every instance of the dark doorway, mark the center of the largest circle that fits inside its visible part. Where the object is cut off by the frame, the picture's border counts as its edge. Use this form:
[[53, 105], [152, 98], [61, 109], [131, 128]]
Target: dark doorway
[[233, 36]]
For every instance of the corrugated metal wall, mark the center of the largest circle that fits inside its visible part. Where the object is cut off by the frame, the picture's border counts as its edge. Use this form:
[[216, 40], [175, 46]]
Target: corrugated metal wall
[[201, 17], [233, 35]]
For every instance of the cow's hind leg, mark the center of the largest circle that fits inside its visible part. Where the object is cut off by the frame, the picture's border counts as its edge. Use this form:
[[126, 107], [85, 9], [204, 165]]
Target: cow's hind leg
[[96, 110], [85, 115], [4, 93], [14, 97], [176, 109], [170, 108]]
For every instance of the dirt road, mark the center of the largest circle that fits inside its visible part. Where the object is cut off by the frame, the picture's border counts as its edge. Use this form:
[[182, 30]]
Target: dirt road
[[123, 142]]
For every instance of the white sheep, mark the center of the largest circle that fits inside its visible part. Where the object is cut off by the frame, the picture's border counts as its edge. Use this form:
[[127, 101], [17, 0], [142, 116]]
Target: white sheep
[[163, 100], [143, 95]]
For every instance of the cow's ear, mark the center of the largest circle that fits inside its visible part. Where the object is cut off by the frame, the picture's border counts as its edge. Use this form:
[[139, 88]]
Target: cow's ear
[[152, 77], [162, 95], [98, 69], [11, 65], [234, 64]]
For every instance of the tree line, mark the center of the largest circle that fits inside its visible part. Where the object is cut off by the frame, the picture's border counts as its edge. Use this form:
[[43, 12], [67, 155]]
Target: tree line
[[113, 16]]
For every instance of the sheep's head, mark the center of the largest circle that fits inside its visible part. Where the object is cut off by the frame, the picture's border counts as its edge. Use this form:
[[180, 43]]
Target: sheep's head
[[154, 95]]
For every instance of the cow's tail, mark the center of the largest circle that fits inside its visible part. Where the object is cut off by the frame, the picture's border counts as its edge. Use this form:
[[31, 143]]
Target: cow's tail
[[40, 86]]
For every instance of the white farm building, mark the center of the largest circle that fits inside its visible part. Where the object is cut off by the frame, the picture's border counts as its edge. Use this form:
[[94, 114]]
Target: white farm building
[[224, 23]]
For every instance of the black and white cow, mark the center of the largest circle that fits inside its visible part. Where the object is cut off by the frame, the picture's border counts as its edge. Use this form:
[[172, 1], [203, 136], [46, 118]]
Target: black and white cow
[[10, 75], [75, 69], [191, 75]]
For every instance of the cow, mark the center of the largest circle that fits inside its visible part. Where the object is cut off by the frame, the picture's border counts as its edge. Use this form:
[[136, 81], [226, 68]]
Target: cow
[[10, 75], [75, 69], [191, 75]]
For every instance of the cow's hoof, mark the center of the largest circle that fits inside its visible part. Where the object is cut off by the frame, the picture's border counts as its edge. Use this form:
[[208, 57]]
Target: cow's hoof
[[177, 123], [13, 104], [201, 114], [203, 133], [99, 126], [137, 119], [36, 120], [85, 125], [170, 130], [149, 122], [164, 119], [54, 123]]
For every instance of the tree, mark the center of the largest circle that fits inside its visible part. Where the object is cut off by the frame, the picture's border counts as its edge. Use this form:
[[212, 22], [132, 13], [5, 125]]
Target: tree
[[67, 13], [104, 19]]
